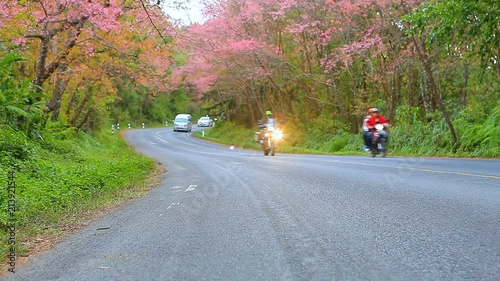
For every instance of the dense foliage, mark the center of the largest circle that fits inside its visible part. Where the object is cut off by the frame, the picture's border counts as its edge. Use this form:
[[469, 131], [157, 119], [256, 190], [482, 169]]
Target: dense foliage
[[431, 67]]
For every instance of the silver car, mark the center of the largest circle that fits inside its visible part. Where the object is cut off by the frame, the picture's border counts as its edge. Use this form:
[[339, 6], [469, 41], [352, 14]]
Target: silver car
[[205, 122], [182, 122]]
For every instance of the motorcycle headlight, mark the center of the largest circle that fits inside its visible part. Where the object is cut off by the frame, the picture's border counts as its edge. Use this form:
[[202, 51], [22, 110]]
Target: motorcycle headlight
[[266, 134], [379, 127], [270, 128], [278, 135]]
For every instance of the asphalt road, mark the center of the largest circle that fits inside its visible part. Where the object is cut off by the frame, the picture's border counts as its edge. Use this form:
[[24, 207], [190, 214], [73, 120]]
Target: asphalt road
[[223, 214]]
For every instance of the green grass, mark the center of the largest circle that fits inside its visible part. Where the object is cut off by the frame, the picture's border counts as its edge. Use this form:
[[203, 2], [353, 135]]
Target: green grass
[[64, 176], [231, 134]]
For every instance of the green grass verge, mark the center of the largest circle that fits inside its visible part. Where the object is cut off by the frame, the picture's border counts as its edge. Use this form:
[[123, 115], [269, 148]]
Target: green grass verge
[[63, 179]]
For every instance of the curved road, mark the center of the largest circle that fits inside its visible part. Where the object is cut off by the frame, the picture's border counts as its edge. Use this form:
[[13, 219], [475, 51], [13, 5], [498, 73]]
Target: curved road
[[223, 214]]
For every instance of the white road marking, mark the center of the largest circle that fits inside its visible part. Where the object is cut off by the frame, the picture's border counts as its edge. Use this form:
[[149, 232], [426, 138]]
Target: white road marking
[[173, 204], [177, 187], [161, 139], [191, 187]]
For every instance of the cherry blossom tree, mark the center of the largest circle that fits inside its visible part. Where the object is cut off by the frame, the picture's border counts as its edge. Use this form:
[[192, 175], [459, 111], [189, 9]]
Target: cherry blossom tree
[[82, 44]]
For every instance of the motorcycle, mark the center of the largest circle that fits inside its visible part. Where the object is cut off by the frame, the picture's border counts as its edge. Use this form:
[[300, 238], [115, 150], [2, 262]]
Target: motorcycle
[[268, 138], [379, 141]]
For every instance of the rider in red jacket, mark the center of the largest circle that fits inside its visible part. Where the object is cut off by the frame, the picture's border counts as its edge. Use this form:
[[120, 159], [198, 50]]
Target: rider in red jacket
[[369, 124]]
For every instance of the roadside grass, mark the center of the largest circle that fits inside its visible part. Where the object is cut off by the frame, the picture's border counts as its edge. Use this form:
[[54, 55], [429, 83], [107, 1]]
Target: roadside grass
[[64, 181], [231, 134]]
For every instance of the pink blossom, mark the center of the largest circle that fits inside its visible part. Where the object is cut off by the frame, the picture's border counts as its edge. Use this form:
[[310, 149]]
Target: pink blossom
[[21, 41]]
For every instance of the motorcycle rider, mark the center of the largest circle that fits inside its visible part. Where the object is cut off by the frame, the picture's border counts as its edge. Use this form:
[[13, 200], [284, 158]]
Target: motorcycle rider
[[269, 120], [369, 125]]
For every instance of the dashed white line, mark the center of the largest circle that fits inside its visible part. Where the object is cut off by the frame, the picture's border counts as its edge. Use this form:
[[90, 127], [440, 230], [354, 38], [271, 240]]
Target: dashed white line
[[191, 187], [173, 204]]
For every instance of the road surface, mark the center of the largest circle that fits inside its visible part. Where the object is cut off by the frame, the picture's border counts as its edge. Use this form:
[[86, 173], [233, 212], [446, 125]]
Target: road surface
[[223, 214]]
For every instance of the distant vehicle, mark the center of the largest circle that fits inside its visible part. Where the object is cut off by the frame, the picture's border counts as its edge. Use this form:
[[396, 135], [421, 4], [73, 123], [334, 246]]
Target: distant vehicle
[[182, 122], [205, 122]]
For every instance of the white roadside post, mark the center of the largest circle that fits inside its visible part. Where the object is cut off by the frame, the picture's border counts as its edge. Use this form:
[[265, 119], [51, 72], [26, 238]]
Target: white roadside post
[[143, 125], [203, 133], [112, 128], [129, 126], [166, 123], [118, 126]]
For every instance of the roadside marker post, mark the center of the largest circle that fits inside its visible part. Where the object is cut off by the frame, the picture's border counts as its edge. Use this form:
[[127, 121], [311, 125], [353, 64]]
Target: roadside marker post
[[143, 125], [112, 128], [203, 133], [166, 123]]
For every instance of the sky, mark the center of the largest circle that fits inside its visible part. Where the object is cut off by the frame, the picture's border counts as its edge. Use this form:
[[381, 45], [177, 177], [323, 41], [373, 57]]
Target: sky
[[192, 15]]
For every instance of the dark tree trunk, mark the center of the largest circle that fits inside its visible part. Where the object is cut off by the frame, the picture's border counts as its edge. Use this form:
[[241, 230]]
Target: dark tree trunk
[[85, 119], [411, 100], [42, 70], [71, 102], [463, 94], [81, 106], [436, 98], [54, 104]]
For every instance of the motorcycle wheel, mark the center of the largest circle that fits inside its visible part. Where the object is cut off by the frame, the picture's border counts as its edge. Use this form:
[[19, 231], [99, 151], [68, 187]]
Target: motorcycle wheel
[[265, 147], [383, 152], [374, 150], [272, 148]]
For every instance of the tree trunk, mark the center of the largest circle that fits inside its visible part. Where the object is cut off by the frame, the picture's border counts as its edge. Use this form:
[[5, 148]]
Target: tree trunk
[[463, 94], [44, 71], [411, 101], [54, 104], [433, 90], [85, 119], [40, 64], [81, 106], [71, 101]]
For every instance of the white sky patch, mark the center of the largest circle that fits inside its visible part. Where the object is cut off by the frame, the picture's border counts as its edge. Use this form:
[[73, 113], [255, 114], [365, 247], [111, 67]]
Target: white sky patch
[[188, 13]]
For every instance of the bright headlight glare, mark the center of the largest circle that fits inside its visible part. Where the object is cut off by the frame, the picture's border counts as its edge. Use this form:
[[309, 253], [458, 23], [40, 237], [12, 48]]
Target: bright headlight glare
[[266, 134], [271, 128], [278, 134]]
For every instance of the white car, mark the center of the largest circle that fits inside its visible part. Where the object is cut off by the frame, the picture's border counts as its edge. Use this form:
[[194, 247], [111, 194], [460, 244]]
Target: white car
[[205, 122], [182, 122]]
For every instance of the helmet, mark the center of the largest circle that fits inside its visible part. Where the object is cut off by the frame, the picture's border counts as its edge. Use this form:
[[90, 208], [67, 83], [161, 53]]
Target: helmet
[[269, 113], [373, 110]]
